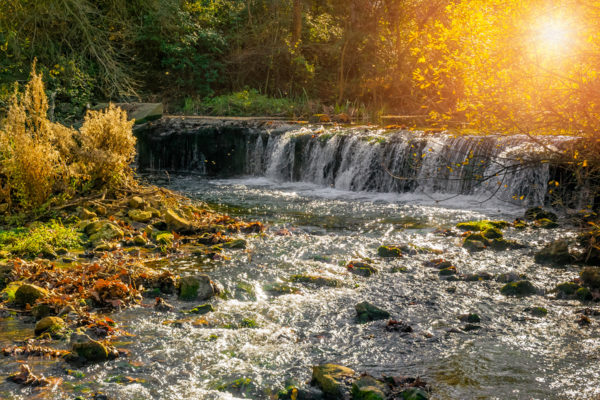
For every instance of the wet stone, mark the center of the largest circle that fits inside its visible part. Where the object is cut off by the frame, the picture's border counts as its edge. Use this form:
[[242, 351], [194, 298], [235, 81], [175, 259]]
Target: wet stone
[[366, 312], [332, 379]]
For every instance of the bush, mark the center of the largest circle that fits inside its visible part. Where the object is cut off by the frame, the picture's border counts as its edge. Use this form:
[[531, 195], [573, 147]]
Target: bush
[[107, 145], [30, 160], [39, 158]]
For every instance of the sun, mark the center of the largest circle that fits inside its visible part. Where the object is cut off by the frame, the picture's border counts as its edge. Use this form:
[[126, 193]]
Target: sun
[[553, 36]]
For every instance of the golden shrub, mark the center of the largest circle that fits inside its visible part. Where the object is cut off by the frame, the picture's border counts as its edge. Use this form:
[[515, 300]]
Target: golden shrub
[[30, 163], [40, 158], [107, 145]]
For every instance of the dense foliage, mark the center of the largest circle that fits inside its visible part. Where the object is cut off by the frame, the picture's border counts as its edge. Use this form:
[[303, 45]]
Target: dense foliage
[[336, 52]]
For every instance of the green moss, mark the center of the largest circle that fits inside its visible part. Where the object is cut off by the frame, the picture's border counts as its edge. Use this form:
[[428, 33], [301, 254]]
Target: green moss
[[8, 293], [518, 288], [201, 309], [399, 269], [165, 238], [366, 312], [188, 288], [40, 237], [248, 323], [482, 225], [316, 280], [537, 311], [91, 351], [492, 233], [584, 294], [389, 251], [567, 288]]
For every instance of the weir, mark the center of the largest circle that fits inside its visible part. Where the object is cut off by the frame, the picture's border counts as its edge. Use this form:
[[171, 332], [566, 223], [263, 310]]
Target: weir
[[512, 168]]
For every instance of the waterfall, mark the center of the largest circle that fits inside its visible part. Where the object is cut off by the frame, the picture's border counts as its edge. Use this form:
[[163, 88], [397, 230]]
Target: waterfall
[[509, 167]]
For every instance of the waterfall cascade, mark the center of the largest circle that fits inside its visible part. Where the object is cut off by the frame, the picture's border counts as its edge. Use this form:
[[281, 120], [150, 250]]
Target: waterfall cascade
[[510, 168]]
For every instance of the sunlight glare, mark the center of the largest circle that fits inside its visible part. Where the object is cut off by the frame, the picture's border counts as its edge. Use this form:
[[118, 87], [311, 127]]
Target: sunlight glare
[[554, 36]]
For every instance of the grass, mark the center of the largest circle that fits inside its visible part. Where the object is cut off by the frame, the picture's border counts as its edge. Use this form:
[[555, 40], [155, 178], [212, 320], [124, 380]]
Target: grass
[[39, 237], [246, 103]]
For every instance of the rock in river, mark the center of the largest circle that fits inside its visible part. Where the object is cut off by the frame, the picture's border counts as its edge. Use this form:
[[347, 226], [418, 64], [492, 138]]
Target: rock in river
[[366, 312], [332, 379]]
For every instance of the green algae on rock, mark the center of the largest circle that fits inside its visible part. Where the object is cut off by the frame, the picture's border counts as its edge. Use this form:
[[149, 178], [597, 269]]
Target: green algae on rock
[[366, 312]]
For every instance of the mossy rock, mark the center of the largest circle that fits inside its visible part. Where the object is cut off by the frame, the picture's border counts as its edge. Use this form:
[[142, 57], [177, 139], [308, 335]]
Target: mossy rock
[[235, 244], [590, 277], [42, 310], [481, 225], [93, 227], [361, 268], [8, 293], [366, 312], [165, 239], [280, 288], [91, 350], [51, 325], [471, 318], [201, 309], [537, 213], [140, 215], [518, 288], [555, 253], [368, 388], [107, 232], [389, 251], [136, 202], [331, 379], [567, 288], [537, 311], [29, 294], [545, 223], [140, 240], [197, 287], [448, 271], [414, 394], [492, 233], [474, 245], [85, 214], [584, 294], [177, 223], [319, 281]]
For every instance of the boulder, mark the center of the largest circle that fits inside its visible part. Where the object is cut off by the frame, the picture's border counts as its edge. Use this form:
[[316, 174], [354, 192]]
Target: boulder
[[361, 268], [389, 251], [107, 232], [165, 238], [85, 214], [49, 324], [140, 240], [136, 202], [28, 294], [518, 288], [201, 309], [366, 312], [556, 253], [197, 287], [590, 277], [368, 388], [140, 215], [177, 223], [89, 349], [331, 379]]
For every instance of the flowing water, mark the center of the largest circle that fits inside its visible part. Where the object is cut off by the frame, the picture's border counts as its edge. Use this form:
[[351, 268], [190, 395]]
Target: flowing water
[[257, 340]]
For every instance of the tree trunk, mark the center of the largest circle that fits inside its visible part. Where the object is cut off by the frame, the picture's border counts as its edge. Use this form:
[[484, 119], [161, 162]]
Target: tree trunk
[[297, 23]]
